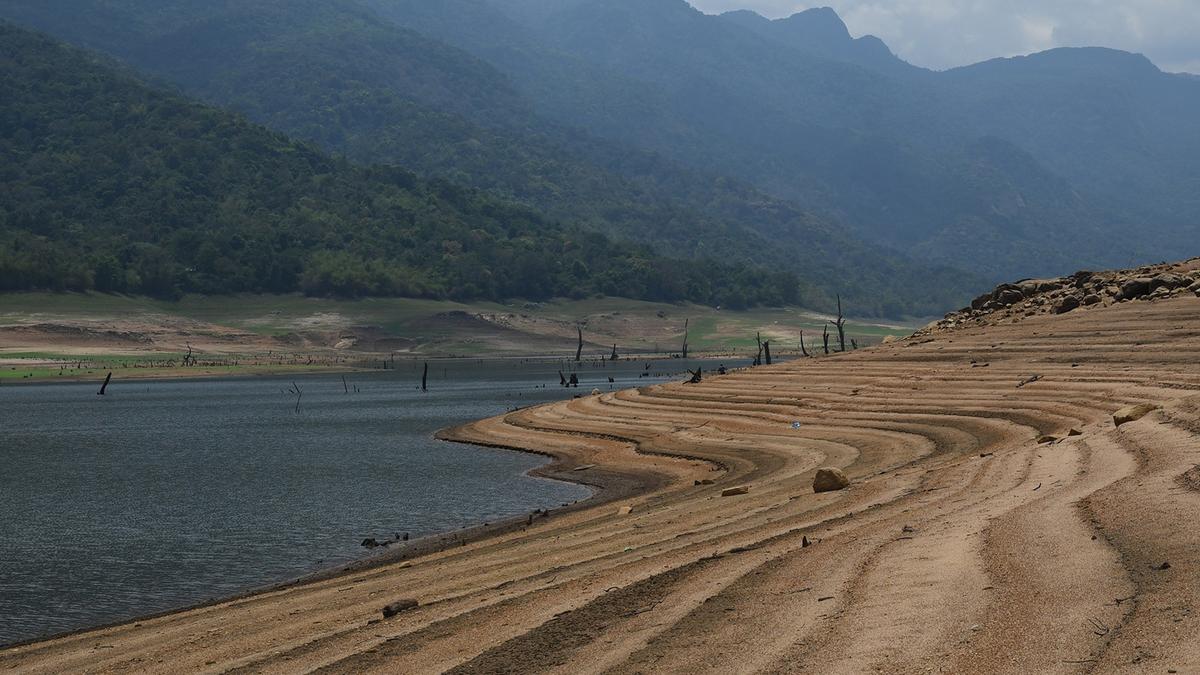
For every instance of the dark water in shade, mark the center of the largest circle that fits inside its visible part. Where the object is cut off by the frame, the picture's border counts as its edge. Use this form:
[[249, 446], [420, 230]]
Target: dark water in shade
[[165, 494]]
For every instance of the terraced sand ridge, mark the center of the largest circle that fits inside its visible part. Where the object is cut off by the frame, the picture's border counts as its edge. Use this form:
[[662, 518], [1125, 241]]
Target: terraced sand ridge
[[962, 544]]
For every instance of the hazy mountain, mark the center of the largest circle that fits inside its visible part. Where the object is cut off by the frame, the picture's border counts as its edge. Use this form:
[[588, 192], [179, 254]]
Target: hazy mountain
[[336, 74], [1098, 141]]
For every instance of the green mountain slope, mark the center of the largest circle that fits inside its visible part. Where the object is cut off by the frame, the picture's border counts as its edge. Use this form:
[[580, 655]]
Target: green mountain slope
[[107, 184], [334, 73]]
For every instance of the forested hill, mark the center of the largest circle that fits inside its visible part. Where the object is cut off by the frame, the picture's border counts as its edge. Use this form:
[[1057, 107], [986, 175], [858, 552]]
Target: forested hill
[[334, 73], [110, 185]]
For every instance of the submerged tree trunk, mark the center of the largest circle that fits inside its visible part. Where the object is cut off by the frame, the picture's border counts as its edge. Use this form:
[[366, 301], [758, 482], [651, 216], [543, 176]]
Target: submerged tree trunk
[[425, 378], [104, 386], [579, 349]]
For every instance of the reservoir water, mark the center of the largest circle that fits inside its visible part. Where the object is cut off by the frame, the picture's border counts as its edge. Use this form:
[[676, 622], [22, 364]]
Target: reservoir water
[[165, 494]]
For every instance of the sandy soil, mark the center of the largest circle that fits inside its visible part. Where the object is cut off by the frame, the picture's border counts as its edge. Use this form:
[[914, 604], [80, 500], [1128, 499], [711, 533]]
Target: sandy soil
[[962, 544]]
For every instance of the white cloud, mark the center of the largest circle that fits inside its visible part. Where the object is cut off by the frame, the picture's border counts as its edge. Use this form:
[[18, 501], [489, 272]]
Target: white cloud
[[947, 33]]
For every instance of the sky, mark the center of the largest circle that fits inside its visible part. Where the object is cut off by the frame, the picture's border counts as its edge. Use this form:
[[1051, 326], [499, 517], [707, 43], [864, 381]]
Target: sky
[[942, 34]]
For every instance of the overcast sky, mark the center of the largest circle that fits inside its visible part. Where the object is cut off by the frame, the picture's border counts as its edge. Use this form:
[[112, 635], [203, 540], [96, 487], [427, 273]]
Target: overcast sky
[[945, 33]]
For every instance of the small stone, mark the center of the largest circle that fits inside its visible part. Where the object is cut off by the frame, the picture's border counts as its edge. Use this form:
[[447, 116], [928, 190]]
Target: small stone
[[830, 479], [1163, 567], [399, 606], [1074, 432], [1133, 413]]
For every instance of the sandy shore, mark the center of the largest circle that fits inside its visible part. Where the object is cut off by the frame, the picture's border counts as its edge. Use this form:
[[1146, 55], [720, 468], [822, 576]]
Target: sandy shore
[[963, 545]]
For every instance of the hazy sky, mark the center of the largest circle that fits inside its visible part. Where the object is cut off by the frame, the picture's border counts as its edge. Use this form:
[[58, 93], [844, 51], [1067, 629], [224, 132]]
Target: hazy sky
[[946, 33]]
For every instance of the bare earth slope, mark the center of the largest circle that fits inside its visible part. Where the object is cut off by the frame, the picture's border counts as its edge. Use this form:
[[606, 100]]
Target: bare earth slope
[[962, 545]]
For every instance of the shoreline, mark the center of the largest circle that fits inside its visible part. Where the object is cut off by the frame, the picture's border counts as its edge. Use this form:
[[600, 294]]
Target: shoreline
[[607, 488]]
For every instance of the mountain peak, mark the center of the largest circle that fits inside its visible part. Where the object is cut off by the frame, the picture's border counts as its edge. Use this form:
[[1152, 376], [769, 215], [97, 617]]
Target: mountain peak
[[820, 23]]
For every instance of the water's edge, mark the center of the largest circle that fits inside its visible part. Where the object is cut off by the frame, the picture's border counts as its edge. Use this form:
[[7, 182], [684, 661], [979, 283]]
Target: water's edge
[[601, 493]]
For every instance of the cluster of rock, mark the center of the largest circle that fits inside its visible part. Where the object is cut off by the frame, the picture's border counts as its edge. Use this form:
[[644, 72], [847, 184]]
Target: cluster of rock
[[1080, 290]]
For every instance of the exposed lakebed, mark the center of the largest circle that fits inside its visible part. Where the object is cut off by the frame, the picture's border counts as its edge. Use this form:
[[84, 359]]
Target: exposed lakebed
[[165, 494]]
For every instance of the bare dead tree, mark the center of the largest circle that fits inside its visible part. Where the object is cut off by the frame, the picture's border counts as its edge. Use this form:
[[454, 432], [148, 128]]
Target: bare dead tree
[[767, 351], [579, 349], [758, 356], [614, 356], [344, 385], [825, 339], [841, 326], [425, 378], [104, 386], [803, 349], [299, 394], [685, 337], [562, 379], [187, 358]]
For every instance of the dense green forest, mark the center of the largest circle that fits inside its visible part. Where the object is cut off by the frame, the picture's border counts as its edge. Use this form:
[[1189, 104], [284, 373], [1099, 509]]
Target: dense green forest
[[109, 185], [334, 73]]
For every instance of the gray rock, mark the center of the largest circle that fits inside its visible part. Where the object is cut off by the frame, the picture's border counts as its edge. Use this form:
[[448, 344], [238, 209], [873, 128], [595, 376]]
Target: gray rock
[[1135, 288], [1092, 299], [1068, 303]]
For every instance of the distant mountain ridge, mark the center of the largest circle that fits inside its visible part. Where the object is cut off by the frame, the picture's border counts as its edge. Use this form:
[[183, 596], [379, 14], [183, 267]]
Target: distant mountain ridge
[[852, 133], [333, 73]]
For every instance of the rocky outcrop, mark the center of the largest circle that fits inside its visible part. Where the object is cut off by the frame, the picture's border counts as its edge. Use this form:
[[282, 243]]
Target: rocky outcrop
[[1083, 290]]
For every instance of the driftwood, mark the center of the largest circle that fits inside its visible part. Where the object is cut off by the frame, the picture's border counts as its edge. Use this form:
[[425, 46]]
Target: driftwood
[[104, 386], [841, 326], [697, 376]]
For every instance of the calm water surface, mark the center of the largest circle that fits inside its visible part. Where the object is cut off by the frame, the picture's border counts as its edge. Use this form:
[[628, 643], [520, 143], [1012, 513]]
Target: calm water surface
[[165, 494]]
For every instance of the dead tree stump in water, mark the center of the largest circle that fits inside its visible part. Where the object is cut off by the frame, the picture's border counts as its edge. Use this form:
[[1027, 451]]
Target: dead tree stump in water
[[104, 386], [425, 378]]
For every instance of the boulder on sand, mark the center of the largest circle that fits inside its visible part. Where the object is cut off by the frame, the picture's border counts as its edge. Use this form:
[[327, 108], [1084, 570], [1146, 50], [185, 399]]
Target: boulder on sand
[[1133, 413], [830, 479]]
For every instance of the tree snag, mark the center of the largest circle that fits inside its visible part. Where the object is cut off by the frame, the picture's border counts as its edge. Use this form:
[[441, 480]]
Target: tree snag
[[825, 339], [579, 349], [841, 326], [685, 338], [104, 386], [425, 378], [803, 349]]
